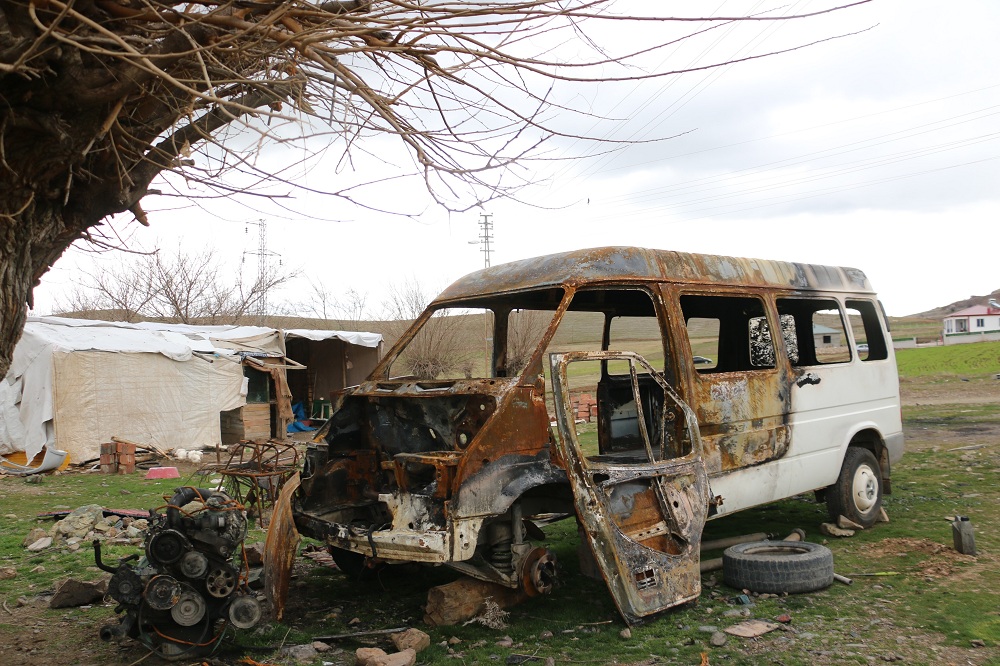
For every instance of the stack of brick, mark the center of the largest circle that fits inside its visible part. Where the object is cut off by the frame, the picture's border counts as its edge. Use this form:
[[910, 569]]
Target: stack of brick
[[584, 407], [117, 458]]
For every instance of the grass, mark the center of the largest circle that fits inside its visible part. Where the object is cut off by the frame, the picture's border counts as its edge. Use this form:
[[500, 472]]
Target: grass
[[973, 360]]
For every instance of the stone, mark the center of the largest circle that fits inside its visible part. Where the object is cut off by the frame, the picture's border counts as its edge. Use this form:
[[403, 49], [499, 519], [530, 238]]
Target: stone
[[72, 592], [978, 643], [10, 516], [254, 554], [367, 656], [783, 619], [41, 544], [505, 642], [38, 569], [301, 653], [718, 639], [411, 638], [132, 532], [845, 523], [407, 657], [79, 522], [625, 633], [883, 517], [34, 535], [830, 529], [708, 629], [6, 573], [545, 634], [455, 640], [320, 647]]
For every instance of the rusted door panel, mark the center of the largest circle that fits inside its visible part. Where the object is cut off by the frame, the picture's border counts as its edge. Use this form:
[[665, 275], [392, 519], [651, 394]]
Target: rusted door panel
[[643, 514]]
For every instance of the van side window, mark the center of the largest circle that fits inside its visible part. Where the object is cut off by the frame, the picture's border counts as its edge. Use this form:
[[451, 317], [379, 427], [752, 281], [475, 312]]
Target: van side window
[[813, 331], [728, 333], [867, 329]]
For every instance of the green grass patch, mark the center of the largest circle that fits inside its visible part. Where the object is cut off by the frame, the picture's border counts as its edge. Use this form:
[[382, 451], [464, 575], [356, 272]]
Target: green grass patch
[[972, 360]]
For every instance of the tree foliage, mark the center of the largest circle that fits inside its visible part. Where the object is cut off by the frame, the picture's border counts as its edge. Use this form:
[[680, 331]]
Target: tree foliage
[[100, 97]]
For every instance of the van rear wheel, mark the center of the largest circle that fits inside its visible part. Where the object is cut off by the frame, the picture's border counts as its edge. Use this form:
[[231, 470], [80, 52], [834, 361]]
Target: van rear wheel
[[857, 494]]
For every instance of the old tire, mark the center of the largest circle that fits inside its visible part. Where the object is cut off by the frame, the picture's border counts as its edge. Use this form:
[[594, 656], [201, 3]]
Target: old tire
[[857, 494], [778, 567]]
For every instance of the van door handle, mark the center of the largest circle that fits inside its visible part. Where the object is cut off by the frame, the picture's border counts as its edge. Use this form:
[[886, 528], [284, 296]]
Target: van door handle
[[808, 378]]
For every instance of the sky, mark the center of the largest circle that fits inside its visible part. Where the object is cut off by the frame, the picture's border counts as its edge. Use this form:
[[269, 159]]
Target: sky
[[879, 150]]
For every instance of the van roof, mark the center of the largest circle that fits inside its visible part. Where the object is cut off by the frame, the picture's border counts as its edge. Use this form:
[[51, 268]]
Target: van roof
[[625, 264]]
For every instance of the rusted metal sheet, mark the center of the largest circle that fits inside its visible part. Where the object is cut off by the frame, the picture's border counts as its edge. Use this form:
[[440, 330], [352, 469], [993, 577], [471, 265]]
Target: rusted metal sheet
[[280, 547], [640, 264]]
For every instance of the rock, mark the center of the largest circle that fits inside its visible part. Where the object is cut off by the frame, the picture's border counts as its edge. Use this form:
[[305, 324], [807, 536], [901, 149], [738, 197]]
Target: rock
[[6, 573], [550, 661], [783, 619], [10, 516], [718, 639], [364, 656], [883, 517], [978, 643], [72, 592], [38, 569], [411, 638], [505, 642], [625, 633], [34, 535], [41, 544], [79, 522], [455, 640], [830, 529], [708, 629], [33, 478], [132, 532], [301, 653], [545, 634], [845, 523], [320, 647], [377, 657], [407, 657], [254, 554]]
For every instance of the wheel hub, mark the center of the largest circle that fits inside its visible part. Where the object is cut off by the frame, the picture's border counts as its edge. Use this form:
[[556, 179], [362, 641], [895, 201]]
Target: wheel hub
[[865, 488]]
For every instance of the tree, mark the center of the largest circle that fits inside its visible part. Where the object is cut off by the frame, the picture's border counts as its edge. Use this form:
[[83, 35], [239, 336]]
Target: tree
[[101, 97], [440, 347], [182, 288]]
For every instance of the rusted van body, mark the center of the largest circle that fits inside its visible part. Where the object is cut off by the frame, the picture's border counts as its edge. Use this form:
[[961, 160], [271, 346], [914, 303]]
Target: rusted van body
[[429, 461]]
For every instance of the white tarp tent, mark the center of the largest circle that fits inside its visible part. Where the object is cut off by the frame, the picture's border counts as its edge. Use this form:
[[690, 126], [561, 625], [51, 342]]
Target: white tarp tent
[[74, 384]]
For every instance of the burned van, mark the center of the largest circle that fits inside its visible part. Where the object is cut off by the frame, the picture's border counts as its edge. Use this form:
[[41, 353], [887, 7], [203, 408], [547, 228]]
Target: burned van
[[640, 391]]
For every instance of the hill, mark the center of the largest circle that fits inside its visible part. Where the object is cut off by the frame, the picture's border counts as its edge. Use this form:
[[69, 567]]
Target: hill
[[945, 310]]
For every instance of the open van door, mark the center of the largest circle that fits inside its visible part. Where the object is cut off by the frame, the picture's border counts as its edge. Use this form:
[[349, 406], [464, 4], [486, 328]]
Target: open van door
[[643, 510]]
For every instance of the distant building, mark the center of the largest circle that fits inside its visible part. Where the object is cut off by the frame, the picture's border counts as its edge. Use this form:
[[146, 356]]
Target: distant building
[[975, 324], [824, 336]]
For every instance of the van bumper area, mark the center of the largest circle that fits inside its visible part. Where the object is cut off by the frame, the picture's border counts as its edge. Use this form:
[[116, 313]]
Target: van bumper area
[[894, 444]]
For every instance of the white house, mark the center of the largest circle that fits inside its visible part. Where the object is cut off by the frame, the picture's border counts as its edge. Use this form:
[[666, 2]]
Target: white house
[[975, 324]]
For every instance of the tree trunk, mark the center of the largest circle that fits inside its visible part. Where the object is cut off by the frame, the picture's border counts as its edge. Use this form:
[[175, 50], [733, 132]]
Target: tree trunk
[[29, 245]]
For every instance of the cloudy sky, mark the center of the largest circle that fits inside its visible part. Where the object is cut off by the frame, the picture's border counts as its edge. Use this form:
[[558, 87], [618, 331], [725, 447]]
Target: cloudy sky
[[879, 150]]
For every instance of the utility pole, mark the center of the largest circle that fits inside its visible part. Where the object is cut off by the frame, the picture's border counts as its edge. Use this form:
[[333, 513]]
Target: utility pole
[[262, 254], [486, 247], [486, 237]]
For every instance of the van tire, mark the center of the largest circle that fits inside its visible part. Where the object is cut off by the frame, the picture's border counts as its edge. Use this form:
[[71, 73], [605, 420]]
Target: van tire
[[857, 494], [351, 564], [778, 567]]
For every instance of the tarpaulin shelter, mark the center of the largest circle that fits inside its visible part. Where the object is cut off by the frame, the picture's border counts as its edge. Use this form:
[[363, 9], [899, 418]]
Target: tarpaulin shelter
[[74, 384]]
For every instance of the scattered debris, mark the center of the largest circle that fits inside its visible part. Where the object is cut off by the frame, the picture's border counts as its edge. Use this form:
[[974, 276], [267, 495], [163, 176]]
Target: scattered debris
[[162, 473], [842, 579], [751, 628], [72, 592]]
